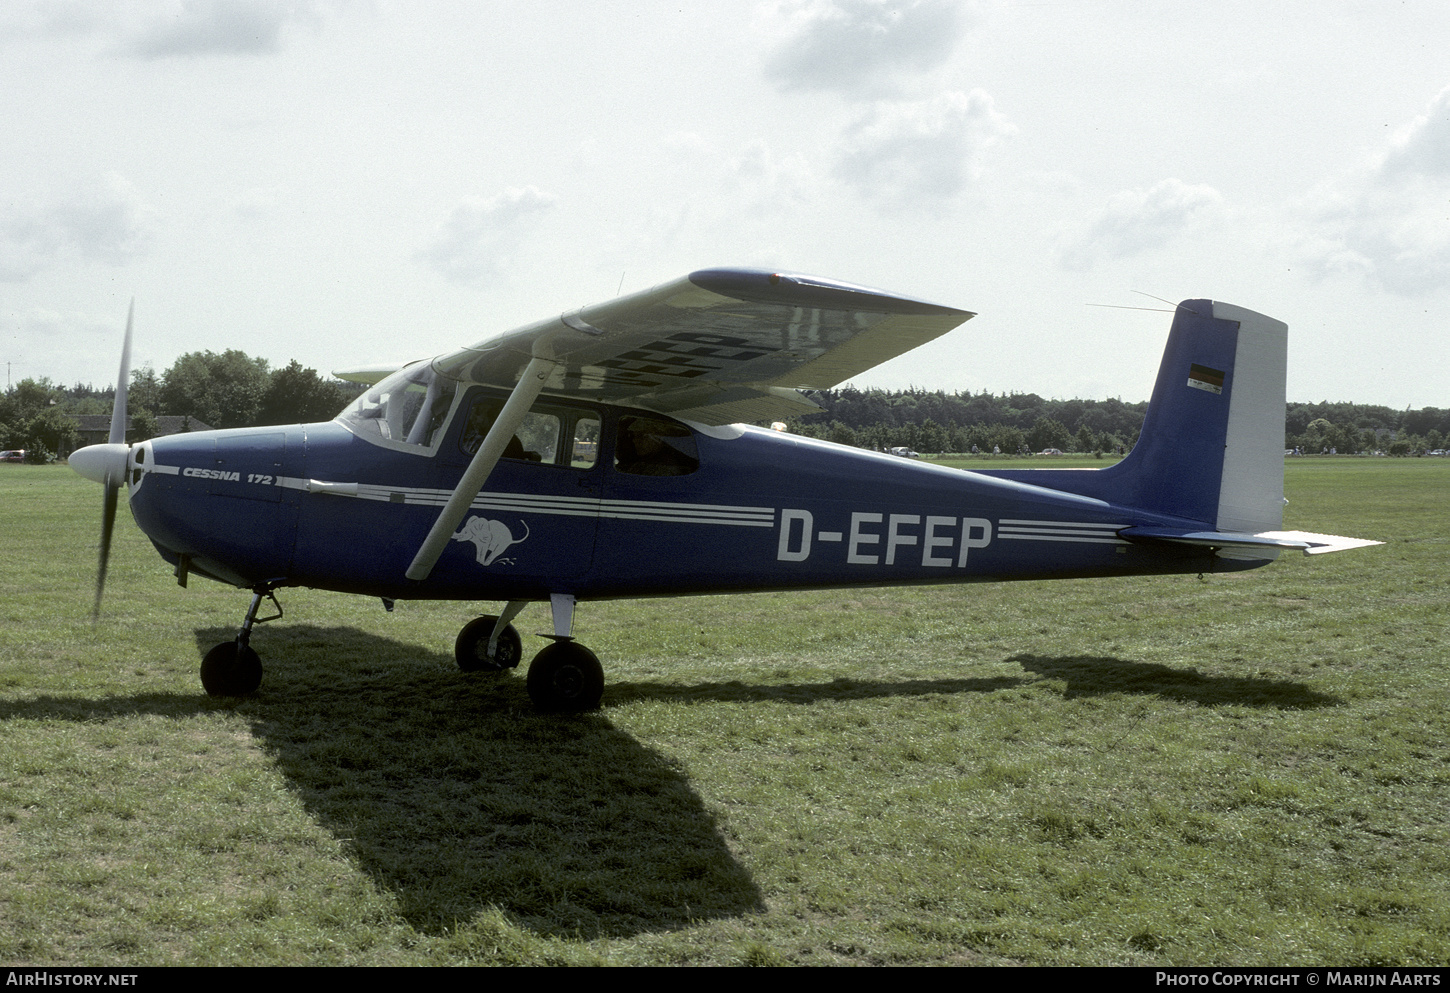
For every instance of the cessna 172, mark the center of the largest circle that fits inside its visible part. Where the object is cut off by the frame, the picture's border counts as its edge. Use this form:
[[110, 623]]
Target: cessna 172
[[598, 455]]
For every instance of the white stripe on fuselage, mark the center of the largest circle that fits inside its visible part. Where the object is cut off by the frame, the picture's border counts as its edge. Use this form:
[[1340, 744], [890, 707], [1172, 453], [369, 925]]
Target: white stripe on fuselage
[[724, 515]]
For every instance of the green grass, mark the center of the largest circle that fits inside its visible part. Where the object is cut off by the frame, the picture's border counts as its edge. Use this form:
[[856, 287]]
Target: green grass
[[1250, 768]]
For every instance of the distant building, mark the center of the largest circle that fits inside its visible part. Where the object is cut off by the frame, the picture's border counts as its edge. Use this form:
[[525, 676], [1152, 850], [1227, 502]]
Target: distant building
[[95, 429]]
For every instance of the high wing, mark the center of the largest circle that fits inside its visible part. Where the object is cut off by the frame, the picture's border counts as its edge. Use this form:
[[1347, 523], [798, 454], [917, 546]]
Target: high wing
[[715, 347]]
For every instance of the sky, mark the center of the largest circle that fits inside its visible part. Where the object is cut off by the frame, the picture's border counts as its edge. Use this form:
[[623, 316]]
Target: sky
[[345, 183]]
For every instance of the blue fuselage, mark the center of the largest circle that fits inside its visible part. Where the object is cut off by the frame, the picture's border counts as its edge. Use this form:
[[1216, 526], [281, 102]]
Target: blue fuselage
[[318, 505]]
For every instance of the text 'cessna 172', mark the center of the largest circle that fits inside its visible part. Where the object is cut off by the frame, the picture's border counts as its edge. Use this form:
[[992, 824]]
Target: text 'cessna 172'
[[598, 455]]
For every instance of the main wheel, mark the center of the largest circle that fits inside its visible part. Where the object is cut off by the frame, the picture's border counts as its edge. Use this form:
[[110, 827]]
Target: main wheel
[[471, 648], [566, 677], [225, 671]]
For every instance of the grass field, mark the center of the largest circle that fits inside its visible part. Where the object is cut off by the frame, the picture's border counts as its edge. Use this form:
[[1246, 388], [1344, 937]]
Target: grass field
[[1247, 768]]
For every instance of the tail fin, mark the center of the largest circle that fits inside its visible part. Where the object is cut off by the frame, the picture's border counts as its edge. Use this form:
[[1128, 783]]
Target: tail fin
[[1212, 444], [1211, 447]]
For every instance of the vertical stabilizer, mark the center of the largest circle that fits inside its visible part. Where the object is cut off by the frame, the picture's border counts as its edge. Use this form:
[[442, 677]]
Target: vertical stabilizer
[[1212, 443]]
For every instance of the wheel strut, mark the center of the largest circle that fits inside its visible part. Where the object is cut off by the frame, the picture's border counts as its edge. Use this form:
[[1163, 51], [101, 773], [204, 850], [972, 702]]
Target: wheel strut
[[244, 636]]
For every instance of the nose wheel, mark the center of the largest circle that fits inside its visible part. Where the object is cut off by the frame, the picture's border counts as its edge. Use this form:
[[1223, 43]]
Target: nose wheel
[[233, 668]]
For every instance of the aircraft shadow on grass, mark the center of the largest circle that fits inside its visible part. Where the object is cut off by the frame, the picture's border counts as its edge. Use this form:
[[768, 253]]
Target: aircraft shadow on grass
[[734, 691], [454, 795], [1088, 675]]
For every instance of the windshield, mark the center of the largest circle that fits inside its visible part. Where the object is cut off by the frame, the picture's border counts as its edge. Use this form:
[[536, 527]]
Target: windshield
[[409, 407]]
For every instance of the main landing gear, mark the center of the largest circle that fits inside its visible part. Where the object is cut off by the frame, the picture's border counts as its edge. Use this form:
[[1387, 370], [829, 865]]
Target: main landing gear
[[564, 677], [233, 668]]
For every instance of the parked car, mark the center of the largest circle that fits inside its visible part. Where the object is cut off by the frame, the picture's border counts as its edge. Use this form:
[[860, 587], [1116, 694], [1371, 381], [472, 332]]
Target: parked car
[[905, 453], [13, 455]]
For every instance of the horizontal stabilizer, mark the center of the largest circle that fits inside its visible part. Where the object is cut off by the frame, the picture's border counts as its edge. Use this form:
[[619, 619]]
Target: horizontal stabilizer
[[1318, 544], [1265, 544]]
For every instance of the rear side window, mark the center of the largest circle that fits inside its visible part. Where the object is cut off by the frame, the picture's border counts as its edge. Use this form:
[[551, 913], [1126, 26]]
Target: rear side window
[[649, 446]]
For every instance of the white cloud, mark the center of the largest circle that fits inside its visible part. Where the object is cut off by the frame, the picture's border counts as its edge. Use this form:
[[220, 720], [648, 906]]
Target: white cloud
[[767, 183], [1422, 148], [1140, 220], [864, 46], [1389, 222], [918, 153], [108, 223], [150, 30], [475, 244], [53, 18], [219, 27]]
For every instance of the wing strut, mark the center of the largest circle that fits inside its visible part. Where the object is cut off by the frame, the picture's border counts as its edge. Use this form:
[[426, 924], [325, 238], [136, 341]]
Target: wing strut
[[531, 383]]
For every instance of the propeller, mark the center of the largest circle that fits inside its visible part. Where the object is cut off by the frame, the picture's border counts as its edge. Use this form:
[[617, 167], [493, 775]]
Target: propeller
[[106, 464]]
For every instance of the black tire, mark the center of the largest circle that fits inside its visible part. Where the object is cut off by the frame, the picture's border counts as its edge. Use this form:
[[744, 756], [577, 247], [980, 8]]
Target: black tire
[[566, 678], [471, 648], [228, 672]]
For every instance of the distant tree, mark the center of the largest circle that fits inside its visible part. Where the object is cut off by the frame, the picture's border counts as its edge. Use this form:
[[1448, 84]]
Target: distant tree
[[49, 433], [145, 390], [224, 391], [842, 434], [932, 438], [143, 425], [31, 396], [1048, 433], [296, 395], [1009, 439]]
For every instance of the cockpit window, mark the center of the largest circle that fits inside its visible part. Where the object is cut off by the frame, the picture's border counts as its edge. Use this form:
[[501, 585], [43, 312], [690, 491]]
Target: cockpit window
[[647, 446], [409, 407]]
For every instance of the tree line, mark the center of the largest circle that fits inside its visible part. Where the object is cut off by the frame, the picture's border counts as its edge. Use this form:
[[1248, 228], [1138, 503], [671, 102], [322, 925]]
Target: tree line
[[937, 421], [233, 389], [226, 390]]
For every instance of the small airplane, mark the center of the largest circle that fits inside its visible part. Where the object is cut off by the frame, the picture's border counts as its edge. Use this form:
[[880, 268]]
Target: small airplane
[[598, 455]]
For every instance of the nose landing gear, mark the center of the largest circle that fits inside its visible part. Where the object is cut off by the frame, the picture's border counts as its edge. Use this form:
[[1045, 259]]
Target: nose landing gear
[[233, 668]]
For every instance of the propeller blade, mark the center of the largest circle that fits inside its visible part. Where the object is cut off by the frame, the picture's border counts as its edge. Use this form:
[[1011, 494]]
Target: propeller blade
[[123, 383], [108, 523], [114, 468]]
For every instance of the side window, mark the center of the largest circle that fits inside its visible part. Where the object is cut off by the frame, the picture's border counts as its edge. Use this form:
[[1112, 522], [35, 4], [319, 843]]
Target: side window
[[538, 438], [648, 446], [586, 442]]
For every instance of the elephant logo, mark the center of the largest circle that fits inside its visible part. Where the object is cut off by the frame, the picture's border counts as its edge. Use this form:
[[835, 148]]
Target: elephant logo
[[490, 538]]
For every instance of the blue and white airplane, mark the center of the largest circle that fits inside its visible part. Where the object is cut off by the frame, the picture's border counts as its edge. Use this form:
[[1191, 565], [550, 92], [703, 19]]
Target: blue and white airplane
[[599, 455]]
